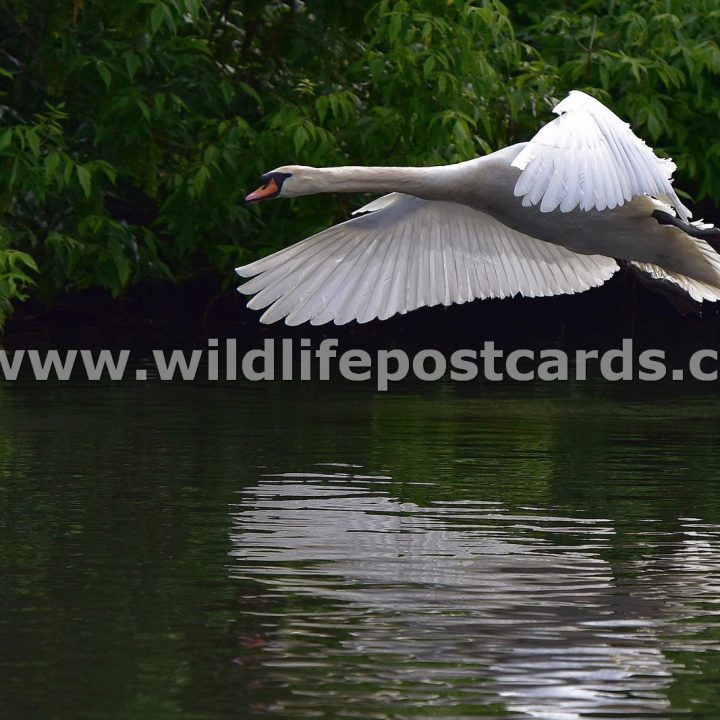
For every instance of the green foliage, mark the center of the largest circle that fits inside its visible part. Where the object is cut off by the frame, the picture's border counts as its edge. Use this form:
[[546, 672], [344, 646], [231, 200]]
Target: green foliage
[[14, 278], [656, 62], [130, 130]]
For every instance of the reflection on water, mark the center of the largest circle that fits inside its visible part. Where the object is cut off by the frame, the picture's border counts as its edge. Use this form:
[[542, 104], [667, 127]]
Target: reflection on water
[[464, 602], [299, 551]]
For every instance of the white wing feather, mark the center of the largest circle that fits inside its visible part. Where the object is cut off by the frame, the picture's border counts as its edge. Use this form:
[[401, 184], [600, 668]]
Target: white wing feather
[[589, 158], [408, 254]]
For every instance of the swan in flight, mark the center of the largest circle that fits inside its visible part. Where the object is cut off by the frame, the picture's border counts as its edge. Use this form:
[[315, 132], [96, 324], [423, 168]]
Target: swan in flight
[[550, 216]]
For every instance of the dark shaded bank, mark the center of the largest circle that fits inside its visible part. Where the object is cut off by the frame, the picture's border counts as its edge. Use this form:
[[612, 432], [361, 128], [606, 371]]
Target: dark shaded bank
[[161, 315], [157, 314]]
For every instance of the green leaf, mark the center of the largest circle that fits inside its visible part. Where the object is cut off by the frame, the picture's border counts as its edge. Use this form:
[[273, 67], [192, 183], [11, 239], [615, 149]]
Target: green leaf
[[33, 141], [69, 167], [321, 106], [428, 66], [227, 92], [200, 180], [157, 16], [13, 172], [132, 63], [26, 259], [109, 171], [144, 109], [248, 90], [51, 163], [122, 266], [395, 25], [300, 138], [91, 223], [85, 179], [5, 138], [104, 73], [461, 131]]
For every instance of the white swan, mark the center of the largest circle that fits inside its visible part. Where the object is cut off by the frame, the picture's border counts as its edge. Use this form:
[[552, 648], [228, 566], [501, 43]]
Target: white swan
[[546, 217]]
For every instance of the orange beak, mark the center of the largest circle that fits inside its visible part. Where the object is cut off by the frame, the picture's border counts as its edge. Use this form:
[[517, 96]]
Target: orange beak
[[270, 189]]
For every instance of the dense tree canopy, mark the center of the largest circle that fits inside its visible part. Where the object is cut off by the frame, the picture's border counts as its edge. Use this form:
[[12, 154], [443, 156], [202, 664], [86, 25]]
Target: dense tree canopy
[[130, 129]]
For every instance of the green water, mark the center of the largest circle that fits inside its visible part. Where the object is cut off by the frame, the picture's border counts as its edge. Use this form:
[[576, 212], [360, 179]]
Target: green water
[[323, 551]]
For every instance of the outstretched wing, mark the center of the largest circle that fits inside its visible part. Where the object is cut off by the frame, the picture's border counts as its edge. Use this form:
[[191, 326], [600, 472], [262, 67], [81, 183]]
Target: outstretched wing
[[408, 253], [589, 158]]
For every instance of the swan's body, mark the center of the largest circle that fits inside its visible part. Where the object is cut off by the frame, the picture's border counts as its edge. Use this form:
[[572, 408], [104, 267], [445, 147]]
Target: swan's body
[[541, 218]]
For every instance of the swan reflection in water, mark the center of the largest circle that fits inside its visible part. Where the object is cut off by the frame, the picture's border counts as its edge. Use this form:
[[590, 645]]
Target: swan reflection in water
[[463, 603]]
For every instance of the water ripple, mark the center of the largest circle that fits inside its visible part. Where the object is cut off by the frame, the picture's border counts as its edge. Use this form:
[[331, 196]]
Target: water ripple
[[466, 606]]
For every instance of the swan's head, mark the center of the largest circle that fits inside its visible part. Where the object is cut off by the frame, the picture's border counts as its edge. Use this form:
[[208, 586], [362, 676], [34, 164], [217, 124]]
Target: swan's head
[[286, 181]]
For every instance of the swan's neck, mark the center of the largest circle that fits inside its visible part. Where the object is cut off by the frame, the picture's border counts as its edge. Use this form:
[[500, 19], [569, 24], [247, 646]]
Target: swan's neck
[[431, 183]]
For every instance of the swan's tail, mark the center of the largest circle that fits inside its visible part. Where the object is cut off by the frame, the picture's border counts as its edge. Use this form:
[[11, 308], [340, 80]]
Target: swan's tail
[[695, 289]]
